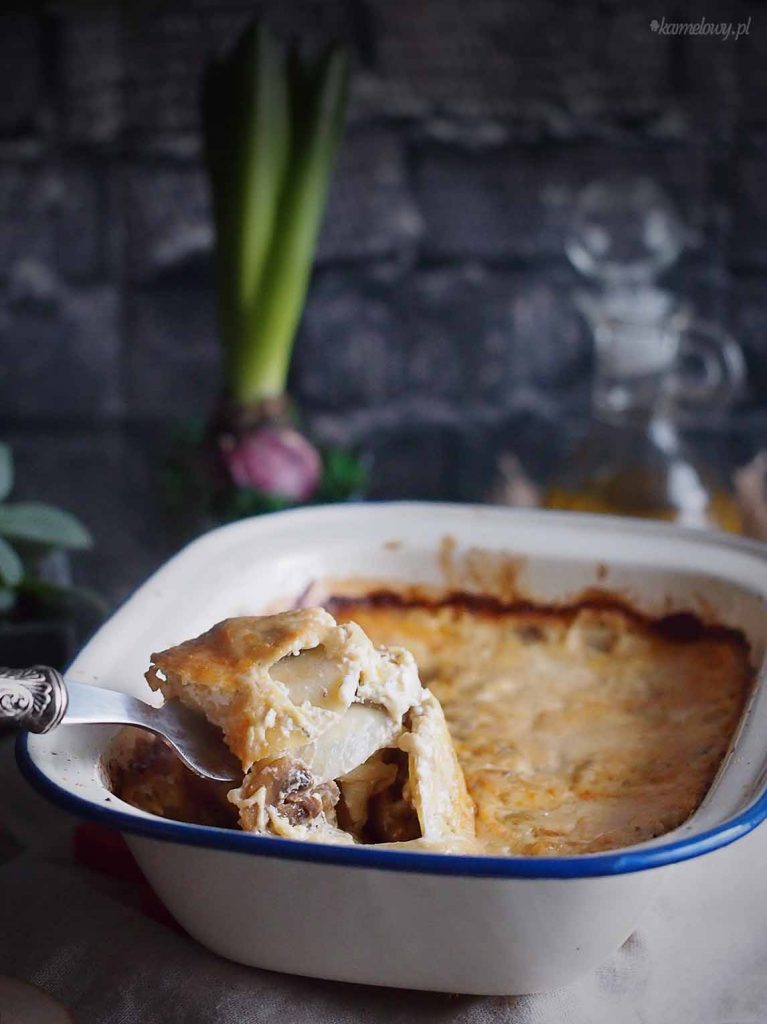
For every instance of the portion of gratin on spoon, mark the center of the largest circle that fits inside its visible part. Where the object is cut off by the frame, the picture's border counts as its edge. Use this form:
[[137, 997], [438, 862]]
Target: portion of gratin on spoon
[[338, 740]]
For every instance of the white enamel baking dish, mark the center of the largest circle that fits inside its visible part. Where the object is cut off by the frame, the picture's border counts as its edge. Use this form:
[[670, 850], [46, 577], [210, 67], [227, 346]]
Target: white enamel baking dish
[[382, 917]]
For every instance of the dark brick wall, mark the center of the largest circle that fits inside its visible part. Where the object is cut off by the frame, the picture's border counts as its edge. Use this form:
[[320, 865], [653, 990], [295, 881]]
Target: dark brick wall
[[440, 327], [441, 293]]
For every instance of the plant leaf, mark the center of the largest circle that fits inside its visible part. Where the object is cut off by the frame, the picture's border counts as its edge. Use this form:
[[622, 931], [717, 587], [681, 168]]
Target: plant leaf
[[262, 151], [317, 108], [11, 567], [42, 524], [344, 476], [245, 117], [6, 471]]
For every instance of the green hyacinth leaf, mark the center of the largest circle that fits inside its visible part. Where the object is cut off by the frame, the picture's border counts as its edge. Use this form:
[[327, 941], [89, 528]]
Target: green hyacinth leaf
[[318, 96]]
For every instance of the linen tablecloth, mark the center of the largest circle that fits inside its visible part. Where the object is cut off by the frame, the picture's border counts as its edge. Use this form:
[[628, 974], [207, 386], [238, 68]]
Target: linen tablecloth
[[93, 940]]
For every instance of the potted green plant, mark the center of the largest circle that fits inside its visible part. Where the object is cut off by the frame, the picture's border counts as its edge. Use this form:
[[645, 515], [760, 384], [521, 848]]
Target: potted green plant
[[273, 118], [39, 609]]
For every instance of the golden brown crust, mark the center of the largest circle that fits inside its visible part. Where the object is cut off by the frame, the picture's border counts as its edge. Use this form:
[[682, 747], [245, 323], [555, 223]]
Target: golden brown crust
[[230, 674], [577, 731], [234, 647]]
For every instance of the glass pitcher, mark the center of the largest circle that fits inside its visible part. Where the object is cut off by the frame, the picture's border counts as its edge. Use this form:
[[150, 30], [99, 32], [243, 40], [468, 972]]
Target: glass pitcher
[[652, 372], [655, 365]]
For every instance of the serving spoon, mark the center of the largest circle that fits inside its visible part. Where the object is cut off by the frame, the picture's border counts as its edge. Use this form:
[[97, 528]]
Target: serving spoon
[[38, 699]]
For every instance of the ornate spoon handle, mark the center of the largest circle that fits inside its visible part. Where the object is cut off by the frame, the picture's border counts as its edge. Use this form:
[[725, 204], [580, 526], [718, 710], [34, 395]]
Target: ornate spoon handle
[[34, 698]]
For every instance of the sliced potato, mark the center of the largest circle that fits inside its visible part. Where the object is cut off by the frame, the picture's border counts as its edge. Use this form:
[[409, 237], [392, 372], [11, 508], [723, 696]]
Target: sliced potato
[[349, 742]]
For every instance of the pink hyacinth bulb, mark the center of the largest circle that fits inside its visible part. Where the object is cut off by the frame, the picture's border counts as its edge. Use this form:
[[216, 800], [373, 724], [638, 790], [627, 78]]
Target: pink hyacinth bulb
[[276, 460]]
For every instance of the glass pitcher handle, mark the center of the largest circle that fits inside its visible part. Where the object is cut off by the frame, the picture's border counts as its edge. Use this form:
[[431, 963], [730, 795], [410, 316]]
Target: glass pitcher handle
[[721, 369]]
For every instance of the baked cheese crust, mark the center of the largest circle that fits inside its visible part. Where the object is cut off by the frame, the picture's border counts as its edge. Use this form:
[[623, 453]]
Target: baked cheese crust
[[275, 683], [577, 732]]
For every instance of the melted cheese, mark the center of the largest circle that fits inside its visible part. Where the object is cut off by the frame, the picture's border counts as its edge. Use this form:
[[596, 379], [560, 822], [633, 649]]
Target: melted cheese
[[576, 733]]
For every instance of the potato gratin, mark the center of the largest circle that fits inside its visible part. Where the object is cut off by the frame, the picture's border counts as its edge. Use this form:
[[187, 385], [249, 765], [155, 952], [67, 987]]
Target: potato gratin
[[576, 729]]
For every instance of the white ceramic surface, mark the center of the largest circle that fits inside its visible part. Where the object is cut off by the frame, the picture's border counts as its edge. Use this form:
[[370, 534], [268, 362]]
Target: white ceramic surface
[[456, 924]]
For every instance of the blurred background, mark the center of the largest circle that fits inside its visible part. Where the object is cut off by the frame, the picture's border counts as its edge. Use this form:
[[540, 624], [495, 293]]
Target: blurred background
[[441, 328]]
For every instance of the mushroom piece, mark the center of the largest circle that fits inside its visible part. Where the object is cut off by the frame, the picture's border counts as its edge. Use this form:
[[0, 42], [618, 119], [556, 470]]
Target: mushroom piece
[[285, 788]]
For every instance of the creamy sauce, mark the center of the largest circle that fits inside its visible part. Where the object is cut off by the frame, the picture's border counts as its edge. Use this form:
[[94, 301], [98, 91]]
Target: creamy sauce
[[577, 732]]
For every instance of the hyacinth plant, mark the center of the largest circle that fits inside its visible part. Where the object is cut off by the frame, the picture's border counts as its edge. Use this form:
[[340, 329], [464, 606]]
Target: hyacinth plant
[[273, 119]]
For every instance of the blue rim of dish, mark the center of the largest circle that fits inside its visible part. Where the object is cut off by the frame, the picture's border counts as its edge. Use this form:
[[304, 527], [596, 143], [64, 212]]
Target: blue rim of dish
[[460, 865]]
